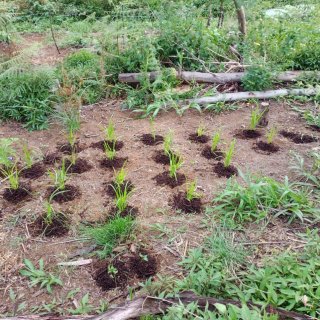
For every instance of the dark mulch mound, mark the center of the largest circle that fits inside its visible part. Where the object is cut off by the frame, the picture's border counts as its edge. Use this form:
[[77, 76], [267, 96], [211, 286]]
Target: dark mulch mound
[[222, 171], [100, 145], [67, 148], [116, 163], [58, 228], [208, 154], [80, 166], [109, 187], [165, 179], [36, 171], [315, 128], [198, 139], [70, 193], [143, 264], [16, 196], [149, 140], [161, 158], [51, 158], [298, 138], [179, 202], [248, 134], [108, 280], [266, 148], [129, 211]]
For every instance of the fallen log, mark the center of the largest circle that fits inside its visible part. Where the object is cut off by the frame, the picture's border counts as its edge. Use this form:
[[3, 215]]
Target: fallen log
[[150, 305], [236, 96], [218, 78]]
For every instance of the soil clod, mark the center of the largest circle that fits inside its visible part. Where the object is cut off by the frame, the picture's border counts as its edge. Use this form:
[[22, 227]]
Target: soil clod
[[143, 264], [165, 179], [208, 154], [223, 171], [194, 137], [17, 195], [298, 138], [151, 140], [180, 202], [68, 194], [36, 171], [248, 134], [68, 149], [116, 163]]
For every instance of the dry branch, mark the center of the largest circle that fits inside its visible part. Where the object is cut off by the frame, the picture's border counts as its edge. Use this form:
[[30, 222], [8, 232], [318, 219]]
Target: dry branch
[[218, 78], [150, 305]]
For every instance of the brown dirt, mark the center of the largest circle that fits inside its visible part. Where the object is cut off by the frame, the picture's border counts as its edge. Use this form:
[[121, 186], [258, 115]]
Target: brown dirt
[[179, 202], [266, 148], [67, 148], [149, 140], [208, 154], [70, 193], [143, 264], [298, 138], [116, 163], [58, 228], [18, 195], [222, 171], [110, 186], [164, 179], [36, 171], [118, 145], [80, 166], [198, 139], [51, 158], [248, 134]]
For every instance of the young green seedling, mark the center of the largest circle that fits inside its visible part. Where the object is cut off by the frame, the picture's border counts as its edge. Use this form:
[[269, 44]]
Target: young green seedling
[[120, 176], [110, 150], [27, 155], [12, 175], [122, 195], [71, 122], [152, 128], [191, 191], [112, 271], [49, 212], [110, 132], [229, 154], [271, 134], [7, 152], [255, 118], [175, 164], [215, 141], [201, 130], [167, 143], [59, 176], [73, 157]]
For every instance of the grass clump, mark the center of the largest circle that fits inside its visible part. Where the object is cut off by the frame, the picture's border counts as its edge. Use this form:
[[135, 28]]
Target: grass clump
[[110, 132], [255, 117], [121, 199], [191, 192], [59, 177], [175, 164], [12, 175], [229, 154], [260, 197], [271, 134], [215, 141], [110, 150], [167, 143], [110, 234]]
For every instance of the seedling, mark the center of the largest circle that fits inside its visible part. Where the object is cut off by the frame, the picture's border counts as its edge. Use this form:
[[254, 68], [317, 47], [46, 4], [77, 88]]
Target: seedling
[[271, 134], [152, 128], [7, 153], [229, 154], [175, 164], [144, 257], [49, 210], [110, 132], [191, 191], [201, 130], [215, 141], [73, 157], [71, 122], [59, 176], [167, 144], [120, 176], [110, 150], [12, 175], [255, 118], [122, 195], [112, 271], [27, 155]]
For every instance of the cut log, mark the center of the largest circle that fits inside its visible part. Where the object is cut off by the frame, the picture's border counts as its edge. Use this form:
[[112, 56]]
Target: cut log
[[236, 96], [151, 305], [218, 78]]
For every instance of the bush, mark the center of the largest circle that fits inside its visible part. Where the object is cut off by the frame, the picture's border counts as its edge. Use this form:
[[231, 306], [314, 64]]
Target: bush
[[257, 79], [308, 57], [27, 96]]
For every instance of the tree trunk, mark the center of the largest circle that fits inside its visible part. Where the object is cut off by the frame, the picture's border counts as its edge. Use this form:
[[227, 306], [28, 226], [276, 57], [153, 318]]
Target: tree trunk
[[241, 17]]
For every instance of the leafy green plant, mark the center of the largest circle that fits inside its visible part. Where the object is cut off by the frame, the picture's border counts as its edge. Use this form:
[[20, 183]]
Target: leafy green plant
[[255, 117], [108, 235], [312, 117], [167, 143], [215, 141], [175, 164], [229, 154], [201, 130], [83, 307], [12, 174], [122, 194], [191, 191], [39, 276], [110, 150], [257, 78], [59, 176], [271, 134]]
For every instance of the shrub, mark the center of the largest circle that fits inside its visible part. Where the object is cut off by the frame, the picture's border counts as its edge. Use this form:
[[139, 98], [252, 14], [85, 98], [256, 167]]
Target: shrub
[[257, 79], [308, 57], [27, 96]]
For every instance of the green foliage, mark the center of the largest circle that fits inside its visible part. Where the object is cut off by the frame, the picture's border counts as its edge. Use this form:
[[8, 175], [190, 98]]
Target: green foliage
[[27, 96], [175, 164], [271, 134], [39, 276], [229, 154], [27, 155], [122, 195], [120, 176], [167, 143], [255, 118], [110, 150], [215, 141], [201, 130], [110, 132], [260, 197], [83, 307], [191, 191], [257, 79], [12, 174], [311, 116], [7, 152], [59, 176], [108, 235]]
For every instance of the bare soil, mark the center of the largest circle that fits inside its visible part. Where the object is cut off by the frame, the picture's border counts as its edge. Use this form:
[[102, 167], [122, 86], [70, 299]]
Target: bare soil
[[17, 195], [80, 166], [199, 139], [181, 203], [36, 171], [51, 158]]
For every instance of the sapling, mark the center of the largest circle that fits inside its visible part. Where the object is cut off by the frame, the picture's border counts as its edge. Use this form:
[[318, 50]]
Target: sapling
[[167, 143], [152, 129], [191, 191], [110, 150], [201, 130], [271, 134], [59, 176], [110, 132], [215, 141], [175, 164], [229, 154], [256, 116]]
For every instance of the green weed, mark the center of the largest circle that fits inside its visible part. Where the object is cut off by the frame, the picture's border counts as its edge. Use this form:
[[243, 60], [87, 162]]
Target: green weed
[[110, 132], [257, 79], [59, 176], [110, 150], [122, 195]]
